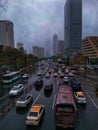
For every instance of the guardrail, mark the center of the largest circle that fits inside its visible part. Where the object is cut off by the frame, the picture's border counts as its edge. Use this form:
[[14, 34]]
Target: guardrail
[[86, 75], [9, 104]]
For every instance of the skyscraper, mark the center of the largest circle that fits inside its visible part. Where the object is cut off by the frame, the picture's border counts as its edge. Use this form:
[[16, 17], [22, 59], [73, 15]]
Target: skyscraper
[[41, 52], [38, 51], [72, 26], [6, 33], [60, 48], [55, 45]]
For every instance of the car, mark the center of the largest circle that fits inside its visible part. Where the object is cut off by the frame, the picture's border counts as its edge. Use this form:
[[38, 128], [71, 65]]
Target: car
[[66, 79], [55, 74], [16, 90], [24, 100], [48, 87], [38, 83], [70, 74], [79, 97], [76, 85], [35, 114], [61, 75], [39, 73], [25, 76], [47, 75]]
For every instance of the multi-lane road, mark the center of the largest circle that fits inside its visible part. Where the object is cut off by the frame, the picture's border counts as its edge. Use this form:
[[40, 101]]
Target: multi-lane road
[[87, 116]]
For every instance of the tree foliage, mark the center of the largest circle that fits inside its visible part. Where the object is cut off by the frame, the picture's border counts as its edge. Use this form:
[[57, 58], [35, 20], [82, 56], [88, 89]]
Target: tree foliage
[[12, 57]]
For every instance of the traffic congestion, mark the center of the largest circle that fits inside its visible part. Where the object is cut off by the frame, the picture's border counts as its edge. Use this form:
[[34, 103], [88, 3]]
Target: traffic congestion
[[54, 97]]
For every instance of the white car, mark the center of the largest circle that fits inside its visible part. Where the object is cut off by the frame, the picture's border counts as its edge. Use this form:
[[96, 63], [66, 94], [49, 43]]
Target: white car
[[70, 74], [79, 97], [16, 90], [47, 75], [25, 76], [66, 79], [39, 73], [55, 74], [24, 100]]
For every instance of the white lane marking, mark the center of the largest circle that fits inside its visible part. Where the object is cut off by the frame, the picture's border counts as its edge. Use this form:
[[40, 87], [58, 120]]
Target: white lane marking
[[57, 83], [4, 96], [53, 101], [93, 101], [36, 99]]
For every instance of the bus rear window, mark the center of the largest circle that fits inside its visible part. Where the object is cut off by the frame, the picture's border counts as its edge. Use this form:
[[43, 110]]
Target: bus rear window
[[64, 109]]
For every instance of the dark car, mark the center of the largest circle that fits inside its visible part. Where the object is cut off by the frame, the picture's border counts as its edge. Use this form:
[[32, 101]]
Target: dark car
[[76, 85], [38, 83], [48, 87]]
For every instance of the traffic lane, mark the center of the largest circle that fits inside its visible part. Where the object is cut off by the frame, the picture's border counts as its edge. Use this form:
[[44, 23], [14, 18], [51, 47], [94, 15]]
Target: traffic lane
[[48, 119], [26, 83], [18, 116], [87, 117], [14, 120]]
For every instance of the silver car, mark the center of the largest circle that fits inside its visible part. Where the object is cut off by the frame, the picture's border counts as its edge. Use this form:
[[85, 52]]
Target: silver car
[[24, 100], [16, 90]]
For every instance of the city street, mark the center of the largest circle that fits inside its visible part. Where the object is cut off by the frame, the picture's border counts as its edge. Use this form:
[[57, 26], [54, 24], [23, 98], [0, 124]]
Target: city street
[[87, 116]]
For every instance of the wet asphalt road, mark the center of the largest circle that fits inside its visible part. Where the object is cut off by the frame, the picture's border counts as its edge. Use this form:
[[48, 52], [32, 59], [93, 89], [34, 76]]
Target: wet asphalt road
[[87, 116]]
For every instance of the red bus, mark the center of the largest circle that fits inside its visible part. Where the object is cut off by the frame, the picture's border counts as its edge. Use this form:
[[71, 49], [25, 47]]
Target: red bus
[[26, 70], [65, 108]]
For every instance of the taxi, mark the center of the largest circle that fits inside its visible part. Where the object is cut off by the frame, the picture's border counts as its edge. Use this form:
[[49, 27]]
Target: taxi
[[79, 97], [35, 114]]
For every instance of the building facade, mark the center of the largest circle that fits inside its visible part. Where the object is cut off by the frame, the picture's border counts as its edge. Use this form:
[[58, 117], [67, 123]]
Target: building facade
[[41, 52], [6, 33], [60, 48], [90, 47], [38, 51], [72, 26], [55, 45]]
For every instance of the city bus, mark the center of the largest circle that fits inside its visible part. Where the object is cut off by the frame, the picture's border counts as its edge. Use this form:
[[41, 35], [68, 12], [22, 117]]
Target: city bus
[[65, 108], [11, 77]]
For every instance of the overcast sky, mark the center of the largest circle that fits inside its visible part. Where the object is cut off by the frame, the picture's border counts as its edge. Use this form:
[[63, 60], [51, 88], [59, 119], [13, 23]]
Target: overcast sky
[[36, 21]]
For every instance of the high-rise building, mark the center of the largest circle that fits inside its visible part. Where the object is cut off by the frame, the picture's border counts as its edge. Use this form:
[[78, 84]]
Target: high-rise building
[[60, 47], [38, 51], [55, 45], [20, 46], [41, 52], [6, 33], [72, 26]]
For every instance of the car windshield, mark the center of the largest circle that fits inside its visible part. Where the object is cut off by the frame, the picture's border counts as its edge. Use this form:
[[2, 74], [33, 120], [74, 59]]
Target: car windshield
[[80, 96], [22, 99], [33, 114], [15, 88]]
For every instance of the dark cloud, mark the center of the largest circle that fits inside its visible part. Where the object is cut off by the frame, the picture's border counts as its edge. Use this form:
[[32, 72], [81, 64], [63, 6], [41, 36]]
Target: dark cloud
[[36, 21], [3, 6]]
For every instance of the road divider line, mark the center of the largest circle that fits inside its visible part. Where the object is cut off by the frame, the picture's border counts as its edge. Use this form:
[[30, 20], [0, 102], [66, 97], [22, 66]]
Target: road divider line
[[36, 99], [53, 101], [4, 96], [92, 101]]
